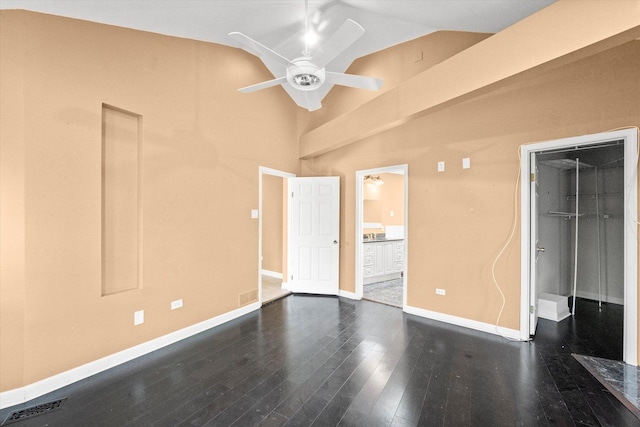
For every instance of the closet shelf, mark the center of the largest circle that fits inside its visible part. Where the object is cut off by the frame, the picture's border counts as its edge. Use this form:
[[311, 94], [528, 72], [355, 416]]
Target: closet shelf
[[606, 215], [571, 215], [600, 195]]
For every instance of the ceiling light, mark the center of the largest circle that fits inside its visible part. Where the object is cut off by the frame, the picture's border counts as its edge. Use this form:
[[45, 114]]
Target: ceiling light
[[371, 179], [310, 38]]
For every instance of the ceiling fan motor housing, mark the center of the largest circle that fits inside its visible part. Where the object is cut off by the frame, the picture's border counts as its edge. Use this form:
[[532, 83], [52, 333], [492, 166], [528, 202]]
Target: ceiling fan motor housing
[[304, 75]]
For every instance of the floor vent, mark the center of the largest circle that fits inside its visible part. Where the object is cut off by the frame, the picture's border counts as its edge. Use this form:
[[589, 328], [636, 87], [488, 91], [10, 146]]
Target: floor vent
[[247, 297], [33, 411]]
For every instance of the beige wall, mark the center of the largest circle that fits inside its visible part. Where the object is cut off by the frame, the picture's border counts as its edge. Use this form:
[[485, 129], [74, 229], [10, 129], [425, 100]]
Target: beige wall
[[459, 220], [13, 325], [401, 62], [203, 143]]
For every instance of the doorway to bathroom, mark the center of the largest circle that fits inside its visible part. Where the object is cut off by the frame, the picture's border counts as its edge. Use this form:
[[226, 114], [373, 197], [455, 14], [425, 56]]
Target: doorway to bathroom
[[381, 236]]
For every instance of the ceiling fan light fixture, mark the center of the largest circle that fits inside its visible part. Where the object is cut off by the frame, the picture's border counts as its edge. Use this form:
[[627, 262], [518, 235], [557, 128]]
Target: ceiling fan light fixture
[[310, 37], [304, 75], [306, 79]]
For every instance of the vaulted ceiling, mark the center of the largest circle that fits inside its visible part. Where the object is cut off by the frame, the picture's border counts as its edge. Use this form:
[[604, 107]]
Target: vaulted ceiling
[[279, 24]]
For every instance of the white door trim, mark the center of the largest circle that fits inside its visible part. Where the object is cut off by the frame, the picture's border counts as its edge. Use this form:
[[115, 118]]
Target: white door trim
[[274, 172], [630, 137], [359, 280]]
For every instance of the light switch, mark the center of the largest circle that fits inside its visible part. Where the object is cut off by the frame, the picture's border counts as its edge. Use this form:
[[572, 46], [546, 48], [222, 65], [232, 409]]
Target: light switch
[[466, 163], [440, 166], [254, 213]]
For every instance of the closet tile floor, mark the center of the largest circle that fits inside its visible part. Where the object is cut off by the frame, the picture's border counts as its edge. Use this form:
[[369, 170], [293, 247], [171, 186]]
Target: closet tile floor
[[619, 378], [326, 361]]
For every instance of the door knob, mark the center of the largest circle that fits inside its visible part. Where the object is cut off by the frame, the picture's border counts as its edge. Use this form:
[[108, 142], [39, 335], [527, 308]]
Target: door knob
[[540, 249], [335, 242]]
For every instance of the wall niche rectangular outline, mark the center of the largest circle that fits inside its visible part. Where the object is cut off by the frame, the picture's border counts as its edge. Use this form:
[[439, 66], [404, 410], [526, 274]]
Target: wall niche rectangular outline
[[121, 200]]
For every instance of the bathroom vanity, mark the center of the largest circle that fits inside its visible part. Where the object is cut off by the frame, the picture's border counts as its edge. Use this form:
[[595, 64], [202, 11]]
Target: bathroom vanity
[[383, 259]]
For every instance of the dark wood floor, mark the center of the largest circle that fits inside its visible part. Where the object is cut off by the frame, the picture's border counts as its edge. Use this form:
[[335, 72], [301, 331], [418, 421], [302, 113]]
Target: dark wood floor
[[328, 361]]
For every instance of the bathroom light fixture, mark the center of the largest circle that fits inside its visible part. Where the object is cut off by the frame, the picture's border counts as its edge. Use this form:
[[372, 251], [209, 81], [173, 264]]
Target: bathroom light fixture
[[371, 179]]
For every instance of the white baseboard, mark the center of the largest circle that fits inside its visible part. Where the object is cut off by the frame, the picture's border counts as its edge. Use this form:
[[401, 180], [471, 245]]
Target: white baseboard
[[347, 294], [270, 273], [47, 385], [467, 323]]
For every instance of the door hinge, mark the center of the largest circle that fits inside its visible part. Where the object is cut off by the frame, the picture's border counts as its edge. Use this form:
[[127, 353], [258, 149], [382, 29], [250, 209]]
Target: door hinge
[[292, 277], [531, 309], [532, 178], [292, 194]]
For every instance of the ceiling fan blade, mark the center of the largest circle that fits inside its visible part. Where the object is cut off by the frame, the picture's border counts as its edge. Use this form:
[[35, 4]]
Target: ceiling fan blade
[[263, 85], [360, 82], [346, 35], [313, 100], [260, 50], [309, 100]]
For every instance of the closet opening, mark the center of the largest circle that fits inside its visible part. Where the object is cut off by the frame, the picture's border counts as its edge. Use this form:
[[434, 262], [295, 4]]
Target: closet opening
[[551, 265], [580, 240], [603, 275]]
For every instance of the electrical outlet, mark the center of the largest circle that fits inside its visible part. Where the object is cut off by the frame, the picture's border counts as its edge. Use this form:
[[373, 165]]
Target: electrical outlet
[[138, 317], [466, 163], [176, 304], [440, 291], [440, 166]]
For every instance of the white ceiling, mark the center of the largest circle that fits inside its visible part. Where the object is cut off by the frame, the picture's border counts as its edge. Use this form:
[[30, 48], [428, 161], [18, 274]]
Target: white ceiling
[[279, 24]]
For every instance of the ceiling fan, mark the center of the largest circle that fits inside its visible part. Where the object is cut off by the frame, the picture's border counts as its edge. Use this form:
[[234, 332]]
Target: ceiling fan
[[306, 74]]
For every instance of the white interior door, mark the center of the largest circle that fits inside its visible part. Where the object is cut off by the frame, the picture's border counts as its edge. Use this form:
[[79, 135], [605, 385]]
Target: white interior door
[[314, 245], [533, 297]]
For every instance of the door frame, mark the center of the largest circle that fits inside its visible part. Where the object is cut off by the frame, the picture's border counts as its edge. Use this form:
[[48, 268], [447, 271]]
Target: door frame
[[630, 137], [284, 175], [359, 279]]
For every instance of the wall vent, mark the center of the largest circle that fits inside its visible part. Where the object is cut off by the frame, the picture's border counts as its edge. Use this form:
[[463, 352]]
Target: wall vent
[[33, 411], [247, 297]]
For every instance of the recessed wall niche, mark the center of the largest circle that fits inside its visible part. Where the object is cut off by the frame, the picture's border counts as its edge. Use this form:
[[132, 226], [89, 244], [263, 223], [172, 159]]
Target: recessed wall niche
[[121, 200]]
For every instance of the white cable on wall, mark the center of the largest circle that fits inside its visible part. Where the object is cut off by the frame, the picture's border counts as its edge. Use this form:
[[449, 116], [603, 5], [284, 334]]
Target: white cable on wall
[[504, 247]]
